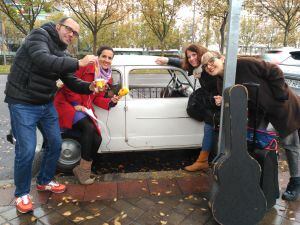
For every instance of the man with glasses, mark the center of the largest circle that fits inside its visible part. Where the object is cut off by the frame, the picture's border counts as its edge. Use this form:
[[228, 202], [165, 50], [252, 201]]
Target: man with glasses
[[278, 104], [31, 85]]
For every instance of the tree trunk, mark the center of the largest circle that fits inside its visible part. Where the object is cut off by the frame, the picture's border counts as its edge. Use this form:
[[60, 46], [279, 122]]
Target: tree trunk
[[207, 36], [94, 42], [286, 32], [222, 33]]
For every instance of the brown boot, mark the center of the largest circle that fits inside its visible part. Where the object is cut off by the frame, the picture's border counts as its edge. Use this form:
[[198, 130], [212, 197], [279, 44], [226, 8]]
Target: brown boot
[[83, 172], [200, 164]]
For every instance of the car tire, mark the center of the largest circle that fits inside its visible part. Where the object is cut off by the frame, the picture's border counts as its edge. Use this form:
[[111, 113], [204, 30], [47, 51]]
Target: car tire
[[70, 153]]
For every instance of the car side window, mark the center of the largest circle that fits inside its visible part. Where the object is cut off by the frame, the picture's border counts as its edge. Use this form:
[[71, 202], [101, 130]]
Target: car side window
[[158, 83], [117, 81]]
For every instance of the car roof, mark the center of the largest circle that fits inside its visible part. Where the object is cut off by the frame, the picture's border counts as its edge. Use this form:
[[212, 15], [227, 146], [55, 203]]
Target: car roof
[[134, 60], [283, 49]]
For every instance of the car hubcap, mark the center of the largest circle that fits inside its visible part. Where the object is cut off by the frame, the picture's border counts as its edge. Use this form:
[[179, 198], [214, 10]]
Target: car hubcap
[[70, 152]]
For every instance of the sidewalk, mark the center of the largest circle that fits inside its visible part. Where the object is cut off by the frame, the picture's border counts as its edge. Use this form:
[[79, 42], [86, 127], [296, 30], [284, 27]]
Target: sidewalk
[[173, 197]]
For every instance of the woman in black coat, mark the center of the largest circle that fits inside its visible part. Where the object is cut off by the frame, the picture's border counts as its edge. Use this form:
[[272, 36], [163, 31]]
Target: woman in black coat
[[192, 64], [280, 105]]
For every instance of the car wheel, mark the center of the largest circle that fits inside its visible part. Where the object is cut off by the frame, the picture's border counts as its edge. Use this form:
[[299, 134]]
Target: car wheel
[[70, 153]]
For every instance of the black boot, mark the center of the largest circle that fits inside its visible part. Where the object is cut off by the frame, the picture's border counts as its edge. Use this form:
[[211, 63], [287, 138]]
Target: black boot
[[292, 191]]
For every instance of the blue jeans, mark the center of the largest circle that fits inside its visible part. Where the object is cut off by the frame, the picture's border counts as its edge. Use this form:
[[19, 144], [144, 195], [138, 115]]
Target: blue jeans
[[208, 137], [24, 121]]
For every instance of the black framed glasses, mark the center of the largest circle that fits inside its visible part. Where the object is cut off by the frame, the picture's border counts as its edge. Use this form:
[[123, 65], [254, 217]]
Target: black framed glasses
[[70, 29], [210, 62]]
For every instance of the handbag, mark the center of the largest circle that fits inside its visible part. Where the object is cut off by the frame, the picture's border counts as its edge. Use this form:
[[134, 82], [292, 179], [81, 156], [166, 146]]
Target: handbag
[[264, 139], [200, 101]]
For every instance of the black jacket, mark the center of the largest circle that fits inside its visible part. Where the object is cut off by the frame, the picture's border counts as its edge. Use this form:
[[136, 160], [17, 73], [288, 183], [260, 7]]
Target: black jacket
[[39, 62], [209, 86]]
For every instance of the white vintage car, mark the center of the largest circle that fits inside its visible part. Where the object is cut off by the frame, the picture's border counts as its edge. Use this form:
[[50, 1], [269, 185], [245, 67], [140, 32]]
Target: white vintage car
[[150, 117]]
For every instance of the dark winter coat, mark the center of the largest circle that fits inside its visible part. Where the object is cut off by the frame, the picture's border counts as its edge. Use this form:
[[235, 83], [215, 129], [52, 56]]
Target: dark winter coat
[[279, 103], [39, 62], [209, 84]]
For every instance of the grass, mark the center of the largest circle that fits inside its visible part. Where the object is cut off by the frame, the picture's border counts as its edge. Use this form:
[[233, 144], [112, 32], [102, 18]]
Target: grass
[[4, 69]]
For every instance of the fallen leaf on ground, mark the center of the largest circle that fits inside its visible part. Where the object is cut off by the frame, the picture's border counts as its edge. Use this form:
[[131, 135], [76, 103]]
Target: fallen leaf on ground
[[67, 213]]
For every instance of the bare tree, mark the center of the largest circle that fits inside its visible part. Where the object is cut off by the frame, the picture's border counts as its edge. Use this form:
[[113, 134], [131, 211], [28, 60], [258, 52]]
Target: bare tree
[[23, 14], [218, 11], [285, 12], [160, 16], [96, 14]]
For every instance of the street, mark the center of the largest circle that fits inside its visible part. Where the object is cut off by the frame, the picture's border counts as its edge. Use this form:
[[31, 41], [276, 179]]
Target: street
[[6, 149]]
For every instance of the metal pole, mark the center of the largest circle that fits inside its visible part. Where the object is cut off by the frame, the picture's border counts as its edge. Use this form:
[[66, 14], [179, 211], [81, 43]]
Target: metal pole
[[193, 25], [231, 57]]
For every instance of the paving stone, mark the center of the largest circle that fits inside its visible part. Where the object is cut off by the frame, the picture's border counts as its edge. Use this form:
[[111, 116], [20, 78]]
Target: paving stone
[[80, 216], [10, 214], [93, 207], [163, 187], [5, 208], [184, 208], [271, 219], [53, 218], [37, 223], [150, 217], [289, 222], [190, 185], [7, 196], [6, 223], [292, 215], [127, 208], [145, 203], [68, 210], [108, 213], [131, 189], [2, 220], [75, 191], [39, 197], [167, 202], [103, 190], [25, 219], [134, 200], [175, 218], [121, 218], [93, 221], [199, 216], [41, 211]]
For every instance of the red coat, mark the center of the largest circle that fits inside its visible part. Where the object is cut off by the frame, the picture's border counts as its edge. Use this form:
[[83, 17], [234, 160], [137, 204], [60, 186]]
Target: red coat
[[65, 99]]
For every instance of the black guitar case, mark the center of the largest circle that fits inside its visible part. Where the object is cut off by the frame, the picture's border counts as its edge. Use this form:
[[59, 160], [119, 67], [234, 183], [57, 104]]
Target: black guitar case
[[267, 159], [237, 198]]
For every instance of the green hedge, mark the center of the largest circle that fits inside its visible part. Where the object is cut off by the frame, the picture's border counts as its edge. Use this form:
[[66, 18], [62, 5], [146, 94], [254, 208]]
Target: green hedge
[[4, 69]]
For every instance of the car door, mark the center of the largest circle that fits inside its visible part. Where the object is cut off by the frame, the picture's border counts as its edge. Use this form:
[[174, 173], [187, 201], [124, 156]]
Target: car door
[[112, 122], [156, 119]]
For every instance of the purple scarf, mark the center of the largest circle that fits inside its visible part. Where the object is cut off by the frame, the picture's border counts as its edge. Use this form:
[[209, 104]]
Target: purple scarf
[[102, 73]]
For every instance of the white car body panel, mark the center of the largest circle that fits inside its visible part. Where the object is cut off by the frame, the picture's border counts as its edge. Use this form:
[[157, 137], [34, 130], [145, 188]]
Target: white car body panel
[[147, 123], [139, 124]]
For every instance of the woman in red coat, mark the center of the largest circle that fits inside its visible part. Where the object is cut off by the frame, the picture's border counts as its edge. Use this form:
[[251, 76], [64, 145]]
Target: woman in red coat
[[71, 108]]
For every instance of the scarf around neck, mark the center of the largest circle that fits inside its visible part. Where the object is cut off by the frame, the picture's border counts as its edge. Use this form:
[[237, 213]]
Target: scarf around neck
[[101, 73]]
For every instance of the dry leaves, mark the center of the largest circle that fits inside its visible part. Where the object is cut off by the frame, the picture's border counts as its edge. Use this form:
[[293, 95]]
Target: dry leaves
[[67, 213]]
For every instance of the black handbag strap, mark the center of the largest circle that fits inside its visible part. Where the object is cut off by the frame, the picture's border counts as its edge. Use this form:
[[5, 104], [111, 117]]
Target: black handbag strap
[[194, 88]]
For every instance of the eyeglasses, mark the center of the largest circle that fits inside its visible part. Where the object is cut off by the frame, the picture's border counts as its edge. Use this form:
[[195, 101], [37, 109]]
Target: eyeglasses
[[70, 30], [210, 62]]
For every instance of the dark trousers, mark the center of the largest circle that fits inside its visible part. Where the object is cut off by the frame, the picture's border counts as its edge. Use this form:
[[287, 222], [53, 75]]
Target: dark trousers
[[89, 139]]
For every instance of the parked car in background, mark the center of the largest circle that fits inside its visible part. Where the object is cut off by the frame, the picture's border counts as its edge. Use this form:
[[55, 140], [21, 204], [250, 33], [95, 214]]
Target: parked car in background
[[151, 117], [288, 59]]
